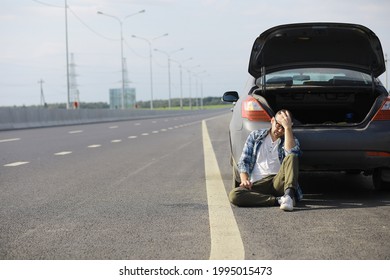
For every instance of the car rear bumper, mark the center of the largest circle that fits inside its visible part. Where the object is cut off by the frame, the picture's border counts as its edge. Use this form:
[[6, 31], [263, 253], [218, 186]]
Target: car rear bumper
[[346, 148], [342, 160]]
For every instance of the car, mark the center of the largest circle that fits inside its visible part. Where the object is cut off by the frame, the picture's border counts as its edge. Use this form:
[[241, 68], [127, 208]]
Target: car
[[327, 76]]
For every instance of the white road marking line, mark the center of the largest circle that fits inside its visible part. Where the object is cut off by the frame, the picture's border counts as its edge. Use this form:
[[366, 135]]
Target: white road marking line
[[163, 130], [226, 242], [352, 203], [75, 131], [155, 131], [114, 126], [116, 141], [132, 137], [63, 153], [13, 164], [137, 123], [9, 140], [94, 146], [145, 134]]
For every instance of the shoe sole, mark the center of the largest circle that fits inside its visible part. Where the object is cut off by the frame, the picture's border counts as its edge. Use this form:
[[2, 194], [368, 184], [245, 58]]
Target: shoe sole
[[286, 208]]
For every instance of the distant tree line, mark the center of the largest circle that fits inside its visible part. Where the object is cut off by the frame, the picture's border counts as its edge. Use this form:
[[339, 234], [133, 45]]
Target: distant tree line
[[175, 102]]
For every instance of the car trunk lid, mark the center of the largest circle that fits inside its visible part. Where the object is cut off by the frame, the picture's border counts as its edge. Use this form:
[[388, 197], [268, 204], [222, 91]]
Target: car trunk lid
[[337, 45]]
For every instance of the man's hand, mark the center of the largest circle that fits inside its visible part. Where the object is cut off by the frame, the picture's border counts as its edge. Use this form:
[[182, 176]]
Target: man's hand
[[245, 183], [285, 119]]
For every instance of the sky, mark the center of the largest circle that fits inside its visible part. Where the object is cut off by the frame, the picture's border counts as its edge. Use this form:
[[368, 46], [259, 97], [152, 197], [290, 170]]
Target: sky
[[211, 39]]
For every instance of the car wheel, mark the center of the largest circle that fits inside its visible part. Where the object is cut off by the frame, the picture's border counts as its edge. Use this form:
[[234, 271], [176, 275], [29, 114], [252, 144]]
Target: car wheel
[[378, 178], [236, 178]]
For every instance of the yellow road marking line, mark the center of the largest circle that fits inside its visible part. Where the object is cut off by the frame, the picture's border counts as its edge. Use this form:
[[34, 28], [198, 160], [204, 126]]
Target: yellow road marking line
[[226, 242]]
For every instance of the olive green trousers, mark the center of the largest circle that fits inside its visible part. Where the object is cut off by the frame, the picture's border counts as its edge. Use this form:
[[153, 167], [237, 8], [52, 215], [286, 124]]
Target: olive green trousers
[[265, 191]]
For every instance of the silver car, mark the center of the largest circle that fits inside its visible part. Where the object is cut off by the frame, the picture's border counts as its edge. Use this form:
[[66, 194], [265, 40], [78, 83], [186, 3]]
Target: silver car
[[326, 74]]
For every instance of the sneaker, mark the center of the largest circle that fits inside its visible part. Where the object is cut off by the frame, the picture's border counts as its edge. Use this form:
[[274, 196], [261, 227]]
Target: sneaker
[[286, 203], [279, 200]]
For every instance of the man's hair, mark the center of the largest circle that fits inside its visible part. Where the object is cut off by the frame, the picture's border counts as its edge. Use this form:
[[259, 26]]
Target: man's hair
[[284, 110]]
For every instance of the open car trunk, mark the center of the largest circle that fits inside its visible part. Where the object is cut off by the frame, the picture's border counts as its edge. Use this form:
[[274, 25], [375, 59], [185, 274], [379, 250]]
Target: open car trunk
[[324, 73], [322, 106]]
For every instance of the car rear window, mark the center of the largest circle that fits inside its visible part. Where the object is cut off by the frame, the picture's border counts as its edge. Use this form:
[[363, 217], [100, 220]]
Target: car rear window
[[315, 77]]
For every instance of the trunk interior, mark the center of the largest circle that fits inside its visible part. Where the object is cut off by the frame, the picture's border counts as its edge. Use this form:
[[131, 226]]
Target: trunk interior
[[321, 106]]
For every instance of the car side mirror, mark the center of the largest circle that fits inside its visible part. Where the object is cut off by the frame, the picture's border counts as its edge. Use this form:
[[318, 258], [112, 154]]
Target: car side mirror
[[230, 96]]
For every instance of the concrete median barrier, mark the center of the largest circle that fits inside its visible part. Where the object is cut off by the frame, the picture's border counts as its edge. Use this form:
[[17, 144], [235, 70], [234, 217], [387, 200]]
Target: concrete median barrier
[[20, 118]]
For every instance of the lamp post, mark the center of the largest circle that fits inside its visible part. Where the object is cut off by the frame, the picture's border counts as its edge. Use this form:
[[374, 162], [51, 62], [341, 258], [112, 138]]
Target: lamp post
[[122, 58], [189, 83], [168, 54], [181, 79], [201, 88], [149, 41], [386, 72], [67, 56]]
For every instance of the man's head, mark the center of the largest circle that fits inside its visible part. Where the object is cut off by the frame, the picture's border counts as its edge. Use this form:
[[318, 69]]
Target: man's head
[[281, 121]]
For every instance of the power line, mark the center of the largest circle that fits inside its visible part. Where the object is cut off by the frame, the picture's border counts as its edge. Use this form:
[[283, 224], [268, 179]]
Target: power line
[[133, 51], [46, 4], [78, 18], [89, 28]]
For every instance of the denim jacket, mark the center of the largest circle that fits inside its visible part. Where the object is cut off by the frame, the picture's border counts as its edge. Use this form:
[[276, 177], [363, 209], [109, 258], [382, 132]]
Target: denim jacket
[[249, 154]]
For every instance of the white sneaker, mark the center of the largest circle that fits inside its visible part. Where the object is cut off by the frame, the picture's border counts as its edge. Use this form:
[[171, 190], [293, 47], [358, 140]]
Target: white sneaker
[[286, 203]]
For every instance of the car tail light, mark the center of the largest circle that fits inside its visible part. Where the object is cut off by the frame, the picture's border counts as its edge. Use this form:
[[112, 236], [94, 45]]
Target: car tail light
[[378, 154], [384, 112], [252, 110]]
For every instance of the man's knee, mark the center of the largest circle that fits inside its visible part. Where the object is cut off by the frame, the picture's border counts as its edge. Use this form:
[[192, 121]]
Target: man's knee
[[292, 157], [235, 196], [291, 161]]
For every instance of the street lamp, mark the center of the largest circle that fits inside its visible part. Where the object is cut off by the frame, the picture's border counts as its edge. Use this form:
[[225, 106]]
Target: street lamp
[[181, 79], [168, 54], [149, 41], [67, 56], [201, 88], [189, 83], [386, 72], [122, 59]]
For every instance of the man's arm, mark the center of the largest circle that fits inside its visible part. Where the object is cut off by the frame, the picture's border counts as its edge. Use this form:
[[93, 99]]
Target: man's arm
[[286, 122], [245, 183], [245, 160]]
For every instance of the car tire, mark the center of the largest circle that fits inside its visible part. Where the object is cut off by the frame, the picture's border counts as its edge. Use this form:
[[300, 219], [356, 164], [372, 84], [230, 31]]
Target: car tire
[[378, 179]]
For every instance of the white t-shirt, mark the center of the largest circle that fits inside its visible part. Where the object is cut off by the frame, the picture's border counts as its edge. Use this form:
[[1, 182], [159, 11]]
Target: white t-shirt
[[267, 162]]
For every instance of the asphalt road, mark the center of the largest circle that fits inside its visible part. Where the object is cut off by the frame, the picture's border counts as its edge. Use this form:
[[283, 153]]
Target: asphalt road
[[139, 190]]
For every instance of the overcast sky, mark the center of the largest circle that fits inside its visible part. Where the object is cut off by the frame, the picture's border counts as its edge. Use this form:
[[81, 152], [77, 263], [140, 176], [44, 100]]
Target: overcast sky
[[216, 34]]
